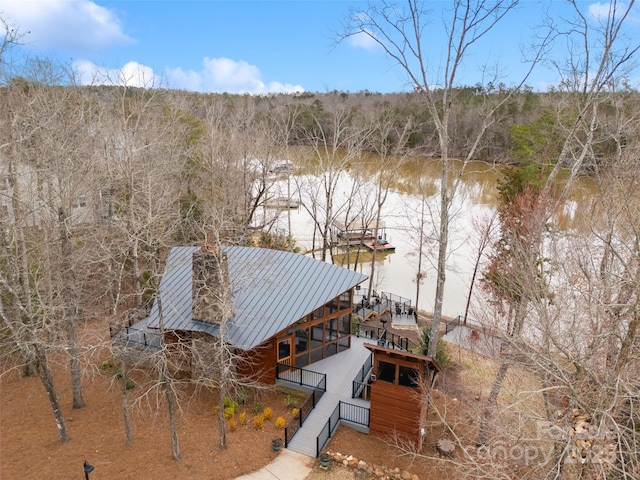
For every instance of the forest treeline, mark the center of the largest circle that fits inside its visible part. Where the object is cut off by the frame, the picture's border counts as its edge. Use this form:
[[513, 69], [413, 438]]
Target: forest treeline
[[530, 125]]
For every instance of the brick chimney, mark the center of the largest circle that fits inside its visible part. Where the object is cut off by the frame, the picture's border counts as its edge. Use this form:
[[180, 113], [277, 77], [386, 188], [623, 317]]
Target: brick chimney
[[210, 278]]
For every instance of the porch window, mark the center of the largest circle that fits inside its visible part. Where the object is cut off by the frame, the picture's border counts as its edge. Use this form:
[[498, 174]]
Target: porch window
[[331, 329], [332, 306], [344, 326], [316, 335], [318, 313], [302, 360], [330, 349], [302, 340], [284, 349], [345, 300], [316, 355], [344, 343]]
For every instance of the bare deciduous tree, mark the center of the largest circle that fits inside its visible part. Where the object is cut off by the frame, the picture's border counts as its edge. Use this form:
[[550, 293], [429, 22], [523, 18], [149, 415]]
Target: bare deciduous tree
[[402, 34]]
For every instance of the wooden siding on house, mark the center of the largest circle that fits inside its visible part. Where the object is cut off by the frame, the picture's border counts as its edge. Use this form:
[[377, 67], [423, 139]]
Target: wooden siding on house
[[259, 363], [394, 410]]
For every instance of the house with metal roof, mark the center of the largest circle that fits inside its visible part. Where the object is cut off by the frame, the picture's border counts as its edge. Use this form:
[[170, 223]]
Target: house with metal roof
[[283, 307]]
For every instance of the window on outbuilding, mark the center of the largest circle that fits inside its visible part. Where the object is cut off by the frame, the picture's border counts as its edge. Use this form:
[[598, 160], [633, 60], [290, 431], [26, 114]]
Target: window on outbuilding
[[386, 371], [407, 376]]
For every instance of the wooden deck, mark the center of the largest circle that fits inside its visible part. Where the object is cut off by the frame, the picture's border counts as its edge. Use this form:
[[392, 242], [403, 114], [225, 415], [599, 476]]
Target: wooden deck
[[340, 369]]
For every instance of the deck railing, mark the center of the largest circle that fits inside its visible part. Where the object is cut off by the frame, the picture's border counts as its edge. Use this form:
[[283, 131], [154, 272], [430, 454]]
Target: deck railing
[[343, 411], [359, 382], [381, 303], [384, 337], [301, 376], [139, 338], [308, 378]]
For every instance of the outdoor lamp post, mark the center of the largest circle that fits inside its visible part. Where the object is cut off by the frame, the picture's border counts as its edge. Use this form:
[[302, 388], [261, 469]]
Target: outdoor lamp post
[[87, 470]]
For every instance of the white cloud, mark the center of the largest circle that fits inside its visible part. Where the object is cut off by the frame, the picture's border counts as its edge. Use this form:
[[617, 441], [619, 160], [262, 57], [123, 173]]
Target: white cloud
[[132, 74], [364, 40], [599, 11], [217, 75], [226, 75], [78, 25]]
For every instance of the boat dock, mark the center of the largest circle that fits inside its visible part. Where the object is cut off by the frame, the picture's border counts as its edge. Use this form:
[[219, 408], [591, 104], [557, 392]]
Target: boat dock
[[360, 233]]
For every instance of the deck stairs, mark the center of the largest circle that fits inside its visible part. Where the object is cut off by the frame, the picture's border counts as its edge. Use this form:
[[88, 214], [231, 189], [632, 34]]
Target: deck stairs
[[340, 369]]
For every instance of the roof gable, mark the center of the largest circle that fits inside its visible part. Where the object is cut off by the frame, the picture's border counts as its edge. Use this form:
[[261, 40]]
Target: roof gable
[[271, 290]]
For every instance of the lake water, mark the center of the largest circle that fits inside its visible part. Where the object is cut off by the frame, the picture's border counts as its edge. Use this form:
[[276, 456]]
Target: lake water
[[476, 199]]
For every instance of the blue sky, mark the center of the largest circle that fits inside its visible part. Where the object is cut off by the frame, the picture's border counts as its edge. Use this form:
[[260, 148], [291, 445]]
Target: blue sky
[[250, 46]]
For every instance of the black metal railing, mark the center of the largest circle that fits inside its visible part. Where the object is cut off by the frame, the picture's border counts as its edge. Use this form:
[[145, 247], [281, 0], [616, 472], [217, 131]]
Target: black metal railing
[[361, 390], [343, 411], [354, 413], [382, 303], [308, 378], [301, 376], [384, 337], [452, 324], [360, 380], [328, 429], [134, 337]]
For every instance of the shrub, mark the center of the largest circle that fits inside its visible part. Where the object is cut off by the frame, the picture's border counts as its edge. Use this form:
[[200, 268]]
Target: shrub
[[442, 351], [228, 403], [294, 412], [267, 413], [258, 407], [106, 365], [229, 412], [232, 425], [216, 409], [258, 422], [291, 401], [280, 423], [129, 384], [243, 396], [242, 418]]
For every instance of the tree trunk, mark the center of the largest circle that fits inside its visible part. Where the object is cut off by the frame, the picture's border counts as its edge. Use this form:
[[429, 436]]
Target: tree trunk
[[443, 243], [222, 424], [125, 405], [171, 404], [47, 380], [70, 310], [420, 245], [166, 382], [492, 402]]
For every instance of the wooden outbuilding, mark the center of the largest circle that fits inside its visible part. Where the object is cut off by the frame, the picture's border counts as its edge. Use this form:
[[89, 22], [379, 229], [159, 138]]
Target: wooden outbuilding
[[398, 395]]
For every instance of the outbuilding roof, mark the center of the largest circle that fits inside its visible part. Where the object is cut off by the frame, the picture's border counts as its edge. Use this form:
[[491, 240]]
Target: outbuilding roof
[[271, 290]]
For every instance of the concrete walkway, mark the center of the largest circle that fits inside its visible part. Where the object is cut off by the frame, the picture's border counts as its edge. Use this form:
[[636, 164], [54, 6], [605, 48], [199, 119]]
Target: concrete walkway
[[288, 465]]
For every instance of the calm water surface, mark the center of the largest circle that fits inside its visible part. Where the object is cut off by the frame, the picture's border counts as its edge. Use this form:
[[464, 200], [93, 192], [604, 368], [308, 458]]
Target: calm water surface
[[396, 271]]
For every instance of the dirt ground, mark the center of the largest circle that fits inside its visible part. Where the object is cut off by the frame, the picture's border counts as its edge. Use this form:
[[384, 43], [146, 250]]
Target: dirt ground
[[29, 445]]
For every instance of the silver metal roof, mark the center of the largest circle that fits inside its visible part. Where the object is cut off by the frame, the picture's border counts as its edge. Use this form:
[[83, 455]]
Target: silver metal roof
[[271, 290]]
